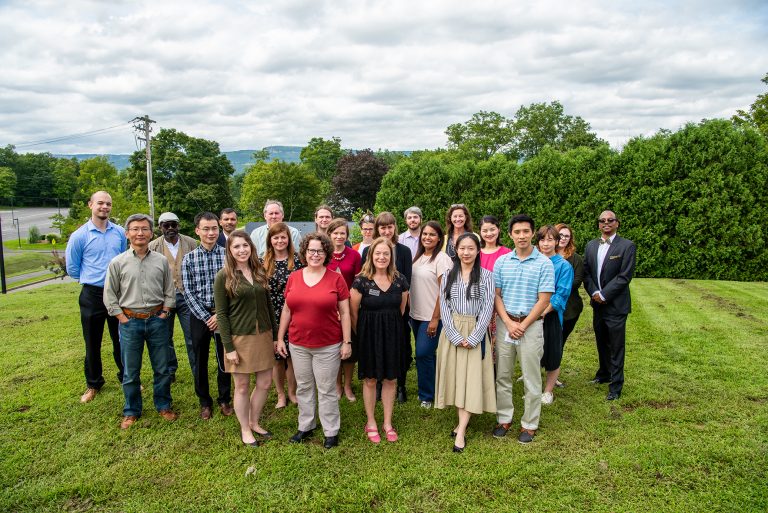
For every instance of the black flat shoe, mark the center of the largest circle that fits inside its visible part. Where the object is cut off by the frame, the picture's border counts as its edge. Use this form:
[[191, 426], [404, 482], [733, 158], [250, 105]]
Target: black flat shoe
[[459, 449], [300, 436], [267, 435], [453, 434], [331, 441], [255, 443]]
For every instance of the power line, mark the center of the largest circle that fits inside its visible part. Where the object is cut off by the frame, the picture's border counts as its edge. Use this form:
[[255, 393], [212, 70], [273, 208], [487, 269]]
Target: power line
[[79, 135]]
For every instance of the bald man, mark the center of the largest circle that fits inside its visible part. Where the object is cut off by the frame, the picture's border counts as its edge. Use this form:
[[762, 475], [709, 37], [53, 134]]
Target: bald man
[[89, 251]]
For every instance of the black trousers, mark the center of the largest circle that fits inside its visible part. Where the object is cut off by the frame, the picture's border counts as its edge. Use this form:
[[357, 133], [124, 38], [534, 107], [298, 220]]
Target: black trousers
[[93, 315], [568, 325], [201, 345], [610, 335]]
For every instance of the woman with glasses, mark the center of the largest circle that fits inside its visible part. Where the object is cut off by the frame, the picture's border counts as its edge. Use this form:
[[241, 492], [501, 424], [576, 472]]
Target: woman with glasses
[[457, 221], [429, 265], [567, 248], [280, 260], [317, 321], [366, 229], [248, 330]]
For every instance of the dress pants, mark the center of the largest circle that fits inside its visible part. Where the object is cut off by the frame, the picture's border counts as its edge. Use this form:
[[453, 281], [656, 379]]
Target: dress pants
[[529, 350], [201, 343], [93, 315], [133, 334], [316, 369], [183, 312], [610, 335], [426, 358], [568, 326]]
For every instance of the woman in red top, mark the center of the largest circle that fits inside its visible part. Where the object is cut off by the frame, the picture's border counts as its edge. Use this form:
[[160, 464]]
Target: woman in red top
[[316, 317], [347, 262]]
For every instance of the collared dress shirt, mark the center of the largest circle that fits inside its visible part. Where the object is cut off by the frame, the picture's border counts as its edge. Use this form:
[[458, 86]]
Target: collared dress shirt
[[198, 271], [138, 284], [602, 250], [521, 281], [90, 250]]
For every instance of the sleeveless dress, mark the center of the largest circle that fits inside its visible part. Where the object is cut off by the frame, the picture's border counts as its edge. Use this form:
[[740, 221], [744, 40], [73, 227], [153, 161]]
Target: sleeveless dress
[[380, 328]]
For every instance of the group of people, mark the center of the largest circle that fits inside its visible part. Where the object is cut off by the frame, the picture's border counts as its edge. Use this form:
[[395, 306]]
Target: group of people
[[303, 312]]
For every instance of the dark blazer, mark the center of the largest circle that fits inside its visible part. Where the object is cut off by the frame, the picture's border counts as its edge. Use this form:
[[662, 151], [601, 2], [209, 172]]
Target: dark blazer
[[618, 268], [403, 260]]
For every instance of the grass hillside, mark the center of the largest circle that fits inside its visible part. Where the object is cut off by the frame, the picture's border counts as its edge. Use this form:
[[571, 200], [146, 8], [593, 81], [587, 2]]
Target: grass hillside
[[690, 432]]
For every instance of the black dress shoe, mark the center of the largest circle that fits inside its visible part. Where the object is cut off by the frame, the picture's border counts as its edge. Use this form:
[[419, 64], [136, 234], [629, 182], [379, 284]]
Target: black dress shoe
[[331, 441], [612, 396], [255, 443], [402, 395], [456, 448], [300, 436]]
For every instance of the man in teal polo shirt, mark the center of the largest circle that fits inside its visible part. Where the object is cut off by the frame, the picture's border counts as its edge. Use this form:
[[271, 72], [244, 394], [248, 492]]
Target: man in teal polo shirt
[[524, 280]]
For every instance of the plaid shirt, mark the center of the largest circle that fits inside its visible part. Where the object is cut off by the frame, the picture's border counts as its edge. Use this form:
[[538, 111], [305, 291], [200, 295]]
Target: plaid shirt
[[198, 270]]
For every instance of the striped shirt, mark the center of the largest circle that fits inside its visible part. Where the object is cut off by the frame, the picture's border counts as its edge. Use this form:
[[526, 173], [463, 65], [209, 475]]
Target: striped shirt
[[521, 281], [198, 271], [479, 306]]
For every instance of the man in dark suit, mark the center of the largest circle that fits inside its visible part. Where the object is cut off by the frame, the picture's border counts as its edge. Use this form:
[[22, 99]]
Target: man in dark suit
[[609, 263]]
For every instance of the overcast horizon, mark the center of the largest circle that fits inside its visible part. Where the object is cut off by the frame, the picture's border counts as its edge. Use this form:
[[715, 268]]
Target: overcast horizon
[[390, 75]]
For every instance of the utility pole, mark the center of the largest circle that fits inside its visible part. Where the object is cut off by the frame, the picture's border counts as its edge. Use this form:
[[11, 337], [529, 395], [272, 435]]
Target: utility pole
[[142, 124]]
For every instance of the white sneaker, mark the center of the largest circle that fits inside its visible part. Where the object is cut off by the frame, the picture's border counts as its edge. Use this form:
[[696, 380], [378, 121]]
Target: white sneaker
[[547, 398], [426, 404]]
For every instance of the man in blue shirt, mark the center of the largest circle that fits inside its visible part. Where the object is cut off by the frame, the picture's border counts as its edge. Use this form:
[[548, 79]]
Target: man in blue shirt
[[89, 251], [524, 281]]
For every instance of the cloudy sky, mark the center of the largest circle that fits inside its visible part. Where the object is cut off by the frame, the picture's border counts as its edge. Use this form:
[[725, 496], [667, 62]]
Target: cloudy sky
[[380, 74]]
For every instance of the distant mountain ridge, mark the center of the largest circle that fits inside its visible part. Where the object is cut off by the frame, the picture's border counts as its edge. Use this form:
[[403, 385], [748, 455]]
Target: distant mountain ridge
[[239, 158]]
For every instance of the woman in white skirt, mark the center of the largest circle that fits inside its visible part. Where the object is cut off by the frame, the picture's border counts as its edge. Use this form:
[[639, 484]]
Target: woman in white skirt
[[464, 361]]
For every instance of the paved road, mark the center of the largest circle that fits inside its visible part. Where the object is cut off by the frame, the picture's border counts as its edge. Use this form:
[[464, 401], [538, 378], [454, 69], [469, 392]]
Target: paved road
[[27, 217]]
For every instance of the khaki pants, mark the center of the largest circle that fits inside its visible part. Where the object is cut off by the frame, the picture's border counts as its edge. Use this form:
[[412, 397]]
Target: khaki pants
[[529, 351], [316, 368]]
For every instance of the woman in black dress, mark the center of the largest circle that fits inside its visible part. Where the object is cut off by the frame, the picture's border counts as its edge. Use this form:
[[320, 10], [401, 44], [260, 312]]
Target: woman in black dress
[[280, 260], [378, 298]]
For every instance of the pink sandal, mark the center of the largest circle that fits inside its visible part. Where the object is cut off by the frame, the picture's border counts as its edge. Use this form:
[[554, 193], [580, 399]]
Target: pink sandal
[[391, 434], [373, 434]]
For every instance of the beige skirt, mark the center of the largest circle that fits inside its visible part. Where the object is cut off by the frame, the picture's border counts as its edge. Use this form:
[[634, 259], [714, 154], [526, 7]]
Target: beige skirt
[[256, 352], [463, 377]]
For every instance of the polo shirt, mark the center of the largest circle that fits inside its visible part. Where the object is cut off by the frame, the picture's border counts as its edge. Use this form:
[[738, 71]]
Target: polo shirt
[[521, 281]]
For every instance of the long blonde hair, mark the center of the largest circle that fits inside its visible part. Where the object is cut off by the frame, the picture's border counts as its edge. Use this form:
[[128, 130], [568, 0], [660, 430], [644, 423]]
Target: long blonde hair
[[269, 254], [369, 269], [230, 265]]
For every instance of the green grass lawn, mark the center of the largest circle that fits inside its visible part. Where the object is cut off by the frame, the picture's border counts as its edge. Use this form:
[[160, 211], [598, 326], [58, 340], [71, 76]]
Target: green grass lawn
[[690, 432], [26, 263], [41, 246]]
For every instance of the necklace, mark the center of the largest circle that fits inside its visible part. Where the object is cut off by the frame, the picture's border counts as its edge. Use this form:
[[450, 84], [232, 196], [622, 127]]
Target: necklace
[[339, 258]]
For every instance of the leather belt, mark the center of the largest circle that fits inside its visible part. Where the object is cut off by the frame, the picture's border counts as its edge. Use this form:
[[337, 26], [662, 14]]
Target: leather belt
[[519, 318], [142, 315]]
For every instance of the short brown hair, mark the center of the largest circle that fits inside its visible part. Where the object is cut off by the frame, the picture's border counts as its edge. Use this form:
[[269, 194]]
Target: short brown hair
[[338, 223], [385, 219], [324, 240]]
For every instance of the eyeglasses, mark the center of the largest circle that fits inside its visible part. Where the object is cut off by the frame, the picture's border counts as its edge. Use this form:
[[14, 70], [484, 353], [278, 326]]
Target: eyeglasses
[[209, 229], [142, 229], [366, 229], [564, 236], [607, 221], [169, 224], [317, 252]]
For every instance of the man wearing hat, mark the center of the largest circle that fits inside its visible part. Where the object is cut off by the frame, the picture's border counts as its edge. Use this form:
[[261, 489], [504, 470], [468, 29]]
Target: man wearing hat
[[410, 237], [174, 246]]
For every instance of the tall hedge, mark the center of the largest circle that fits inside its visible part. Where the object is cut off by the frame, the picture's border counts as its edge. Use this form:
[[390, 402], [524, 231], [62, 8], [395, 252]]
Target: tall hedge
[[693, 200]]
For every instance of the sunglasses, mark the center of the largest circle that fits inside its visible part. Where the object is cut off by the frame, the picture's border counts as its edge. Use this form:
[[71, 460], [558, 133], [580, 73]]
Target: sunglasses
[[607, 221]]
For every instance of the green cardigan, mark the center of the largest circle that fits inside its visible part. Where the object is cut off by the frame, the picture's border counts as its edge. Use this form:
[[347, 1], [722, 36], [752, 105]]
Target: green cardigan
[[240, 315]]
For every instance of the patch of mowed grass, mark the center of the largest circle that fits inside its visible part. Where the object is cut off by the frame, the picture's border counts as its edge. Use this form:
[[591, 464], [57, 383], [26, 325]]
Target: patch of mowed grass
[[689, 433], [26, 263]]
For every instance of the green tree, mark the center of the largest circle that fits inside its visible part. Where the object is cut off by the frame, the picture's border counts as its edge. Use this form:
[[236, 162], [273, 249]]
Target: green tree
[[321, 155], [484, 135], [189, 175], [541, 124], [7, 182], [34, 178], [757, 116], [65, 173], [293, 184], [358, 178]]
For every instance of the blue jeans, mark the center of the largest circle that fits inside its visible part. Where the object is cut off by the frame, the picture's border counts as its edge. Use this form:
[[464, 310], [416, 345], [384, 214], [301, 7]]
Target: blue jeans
[[133, 334], [182, 310], [426, 358]]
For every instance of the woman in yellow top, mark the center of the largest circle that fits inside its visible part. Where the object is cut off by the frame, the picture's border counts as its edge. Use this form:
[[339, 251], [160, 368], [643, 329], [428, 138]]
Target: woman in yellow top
[[248, 331]]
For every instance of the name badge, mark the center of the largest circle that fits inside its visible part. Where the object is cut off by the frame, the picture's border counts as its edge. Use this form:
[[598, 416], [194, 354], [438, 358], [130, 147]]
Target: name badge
[[374, 292]]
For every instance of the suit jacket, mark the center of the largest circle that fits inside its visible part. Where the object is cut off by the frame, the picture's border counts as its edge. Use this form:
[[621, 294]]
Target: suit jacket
[[617, 271], [403, 260]]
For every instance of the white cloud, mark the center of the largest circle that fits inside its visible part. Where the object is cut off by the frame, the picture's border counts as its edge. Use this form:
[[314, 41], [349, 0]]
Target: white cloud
[[377, 74]]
